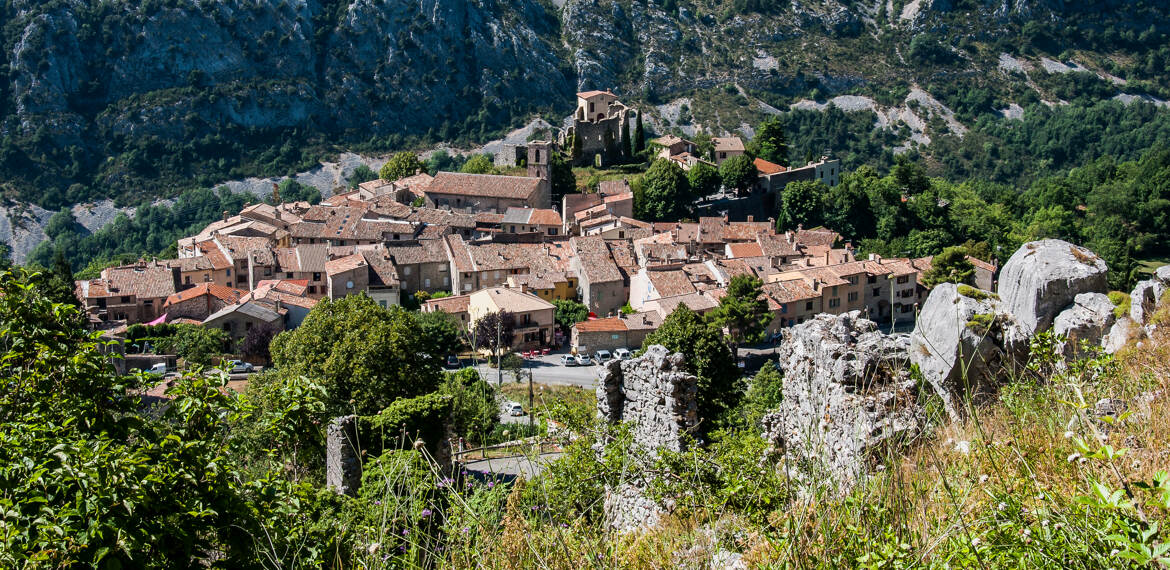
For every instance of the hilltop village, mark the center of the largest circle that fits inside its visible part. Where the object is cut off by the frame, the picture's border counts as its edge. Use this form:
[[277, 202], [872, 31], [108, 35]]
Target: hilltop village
[[470, 244]]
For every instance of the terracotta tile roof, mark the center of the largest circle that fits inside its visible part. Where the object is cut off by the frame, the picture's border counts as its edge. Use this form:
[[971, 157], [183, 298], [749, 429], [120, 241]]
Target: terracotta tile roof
[[773, 245], [484, 185], [212, 252], [611, 324], [698, 302], [434, 216], [981, 264], [744, 250], [817, 236], [767, 168], [427, 251], [343, 264], [741, 266], [306, 258], [290, 286], [145, 281], [789, 291], [595, 260], [237, 247], [531, 216], [574, 203], [668, 140], [645, 320], [511, 300], [591, 94], [622, 252], [221, 292], [671, 283], [727, 144], [745, 231], [188, 264], [453, 304], [528, 257]]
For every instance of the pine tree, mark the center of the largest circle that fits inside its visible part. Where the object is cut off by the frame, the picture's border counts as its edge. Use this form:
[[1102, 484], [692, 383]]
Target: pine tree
[[639, 136], [625, 142]]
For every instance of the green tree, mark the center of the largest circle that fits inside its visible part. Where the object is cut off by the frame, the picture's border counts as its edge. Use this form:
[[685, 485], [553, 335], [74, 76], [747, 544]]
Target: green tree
[[365, 356], [361, 174], [743, 311], [703, 179], [639, 135], [707, 357], [195, 344], [400, 165], [764, 395], [626, 149], [474, 411], [770, 143], [441, 332], [665, 191], [563, 179], [575, 147], [802, 205], [738, 172], [479, 164], [495, 332], [569, 313], [950, 266]]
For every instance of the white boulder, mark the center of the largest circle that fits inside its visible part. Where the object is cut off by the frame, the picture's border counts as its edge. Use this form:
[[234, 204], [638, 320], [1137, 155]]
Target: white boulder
[[1043, 277], [1087, 321]]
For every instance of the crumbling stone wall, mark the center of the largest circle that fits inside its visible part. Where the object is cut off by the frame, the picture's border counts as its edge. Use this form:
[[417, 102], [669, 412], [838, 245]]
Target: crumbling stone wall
[[656, 394], [343, 469]]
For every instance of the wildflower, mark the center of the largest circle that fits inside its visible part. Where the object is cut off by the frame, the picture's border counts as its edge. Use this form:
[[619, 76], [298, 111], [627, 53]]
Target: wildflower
[[491, 484], [1026, 532], [975, 541], [1058, 526], [1114, 552], [1069, 434], [963, 447], [1044, 523], [405, 532], [426, 513], [377, 502], [1074, 457], [1102, 437], [373, 547], [983, 478], [1002, 506], [466, 529]]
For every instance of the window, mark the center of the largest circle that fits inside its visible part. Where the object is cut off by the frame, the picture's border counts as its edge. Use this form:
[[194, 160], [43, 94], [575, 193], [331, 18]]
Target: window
[[808, 306], [227, 327], [248, 326], [125, 299], [446, 281], [406, 270], [316, 277], [834, 303], [871, 279], [833, 291], [443, 268], [877, 292], [552, 231], [426, 282], [148, 303], [784, 309], [382, 303], [206, 277], [852, 296], [187, 280], [312, 289], [467, 286], [349, 284], [101, 303], [288, 275], [853, 280], [513, 229], [267, 272], [497, 274], [903, 279]]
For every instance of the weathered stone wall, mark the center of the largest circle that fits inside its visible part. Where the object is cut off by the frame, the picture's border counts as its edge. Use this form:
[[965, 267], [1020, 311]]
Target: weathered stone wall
[[656, 394], [847, 392], [343, 469]]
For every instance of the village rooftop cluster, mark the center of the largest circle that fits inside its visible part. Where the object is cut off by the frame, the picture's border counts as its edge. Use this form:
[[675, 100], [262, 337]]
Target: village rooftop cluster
[[495, 242]]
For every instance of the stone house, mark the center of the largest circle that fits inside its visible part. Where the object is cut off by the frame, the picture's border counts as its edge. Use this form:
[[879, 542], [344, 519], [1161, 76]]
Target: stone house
[[488, 192], [535, 317], [456, 306], [599, 116], [603, 288], [542, 221], [671, 145], [236, 320], [826, 170], [130, 293], [727, 147], [555, 286], [290, 295], [483, 265], [422, 267], [200, 301], [627, 331]]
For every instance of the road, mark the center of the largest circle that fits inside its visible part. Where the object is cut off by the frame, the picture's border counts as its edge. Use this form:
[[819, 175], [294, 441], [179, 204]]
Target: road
[[511, 467], [547, 370]]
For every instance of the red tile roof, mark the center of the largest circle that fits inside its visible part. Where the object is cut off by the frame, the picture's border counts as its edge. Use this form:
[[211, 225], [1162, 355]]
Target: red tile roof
[[767, 168], [745, 249], [221, 292], [484, 185], [611, 324]]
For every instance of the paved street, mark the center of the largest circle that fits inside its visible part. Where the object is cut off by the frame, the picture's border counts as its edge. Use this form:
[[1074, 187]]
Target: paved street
[[547, 370]]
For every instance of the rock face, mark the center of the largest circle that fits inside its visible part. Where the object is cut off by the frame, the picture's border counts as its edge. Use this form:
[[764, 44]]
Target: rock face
[[656, 394], [846, 392], [1146, 295], [1043, 277], [1088, 321], [343, 469], [962, 342]]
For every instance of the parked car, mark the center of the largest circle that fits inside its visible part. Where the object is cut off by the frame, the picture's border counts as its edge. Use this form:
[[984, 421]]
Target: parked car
[[583, 360], [602, 356], [239, 367], [516, 409], [159, 369], [568, 360], [453, 361], [623, 354]]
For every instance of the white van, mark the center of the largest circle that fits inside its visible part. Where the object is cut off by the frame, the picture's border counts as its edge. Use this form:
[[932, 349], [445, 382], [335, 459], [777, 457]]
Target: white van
[[159, 369]]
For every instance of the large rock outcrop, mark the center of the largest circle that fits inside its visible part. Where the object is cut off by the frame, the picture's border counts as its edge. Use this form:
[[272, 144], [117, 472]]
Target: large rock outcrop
[[1043, 277], [962, 342], [1146, 295], [656, 394], [1086, 323], [847, 392]]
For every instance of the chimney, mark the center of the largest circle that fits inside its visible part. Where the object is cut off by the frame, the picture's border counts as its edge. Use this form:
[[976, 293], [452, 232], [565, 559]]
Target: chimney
[[278, 214], [826, 257], [225, 215], [788, 234], [278, 305], [816, 284]]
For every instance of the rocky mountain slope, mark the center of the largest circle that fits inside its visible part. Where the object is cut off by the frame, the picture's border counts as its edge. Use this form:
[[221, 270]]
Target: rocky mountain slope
[[129, 100]]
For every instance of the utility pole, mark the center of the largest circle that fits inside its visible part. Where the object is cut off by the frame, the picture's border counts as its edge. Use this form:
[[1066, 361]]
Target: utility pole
[[499, 365], [530, 399], [891, 278]]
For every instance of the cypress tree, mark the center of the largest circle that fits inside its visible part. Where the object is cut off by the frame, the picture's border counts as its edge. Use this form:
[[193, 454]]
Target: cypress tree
[[625, 143], [639, 135]]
